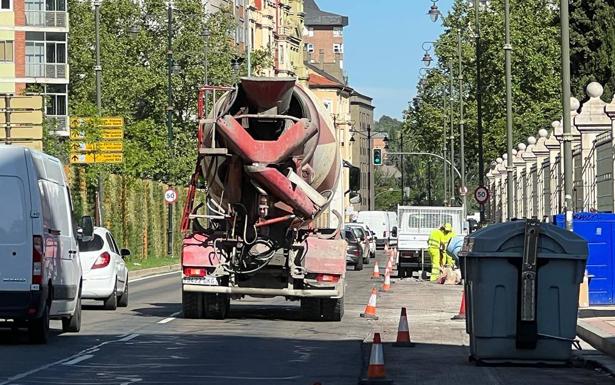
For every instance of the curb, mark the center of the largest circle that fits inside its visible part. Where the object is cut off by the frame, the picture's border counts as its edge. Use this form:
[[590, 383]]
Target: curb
[[143, 273], [603, 357]]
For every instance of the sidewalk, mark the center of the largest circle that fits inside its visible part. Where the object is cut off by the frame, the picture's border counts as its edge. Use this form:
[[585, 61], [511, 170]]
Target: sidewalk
[[596, 326], [442, 345]]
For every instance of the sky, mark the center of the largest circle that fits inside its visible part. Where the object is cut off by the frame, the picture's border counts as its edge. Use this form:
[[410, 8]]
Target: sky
[[382, 47]]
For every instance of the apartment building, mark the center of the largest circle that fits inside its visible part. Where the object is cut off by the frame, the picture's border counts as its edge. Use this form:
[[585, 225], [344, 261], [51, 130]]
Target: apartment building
[[33, 53]]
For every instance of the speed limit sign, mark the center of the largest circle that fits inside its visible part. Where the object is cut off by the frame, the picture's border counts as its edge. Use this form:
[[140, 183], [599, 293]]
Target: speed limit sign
[[481, 195], [170, 196]]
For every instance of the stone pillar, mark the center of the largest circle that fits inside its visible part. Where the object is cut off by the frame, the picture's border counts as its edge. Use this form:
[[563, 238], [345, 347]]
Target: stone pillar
[[542, 153], [554, 147], [501, 168], [558, 129], [520, 191], [530, 198], [609, 177], [592, 121]]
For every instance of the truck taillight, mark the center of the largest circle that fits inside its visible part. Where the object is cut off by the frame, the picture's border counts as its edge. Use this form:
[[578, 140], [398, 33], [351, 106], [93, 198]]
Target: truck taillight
[[384, 234], [37, 260], [194, 272], [102, 261], [327, 278]]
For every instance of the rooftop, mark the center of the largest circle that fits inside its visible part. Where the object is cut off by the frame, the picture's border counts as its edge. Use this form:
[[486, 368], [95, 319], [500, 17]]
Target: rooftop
[[315, 17]]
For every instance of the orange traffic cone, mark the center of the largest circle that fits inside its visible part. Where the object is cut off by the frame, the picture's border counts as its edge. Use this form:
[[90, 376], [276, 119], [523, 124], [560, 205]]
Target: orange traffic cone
[[370, 309], [403, 332], [462, 308], [390, 264], [376, 373], [386, 286], [376, 273]]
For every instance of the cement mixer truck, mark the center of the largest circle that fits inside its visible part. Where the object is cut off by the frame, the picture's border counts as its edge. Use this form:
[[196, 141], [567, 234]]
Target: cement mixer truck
[[268, 167]]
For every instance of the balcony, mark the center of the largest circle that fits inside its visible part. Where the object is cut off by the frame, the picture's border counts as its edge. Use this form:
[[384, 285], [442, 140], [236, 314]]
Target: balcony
[[46, 70], [55, 19]]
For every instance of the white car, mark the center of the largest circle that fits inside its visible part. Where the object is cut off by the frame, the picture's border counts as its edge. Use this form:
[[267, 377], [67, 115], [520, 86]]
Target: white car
[[105, 276], [371, 237]]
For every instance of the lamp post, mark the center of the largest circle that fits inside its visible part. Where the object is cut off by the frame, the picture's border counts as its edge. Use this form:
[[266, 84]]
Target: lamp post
[[567, 136], [98, 71], [509, 115], [461, 128], [170, 116], [427, 59], [206, 35], [434, 13], [452, 131], [369, 162], [401, 162], [479, 105]]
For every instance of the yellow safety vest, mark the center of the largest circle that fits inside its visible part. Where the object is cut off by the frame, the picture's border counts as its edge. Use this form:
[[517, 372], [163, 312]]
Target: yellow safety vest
[[435, 239]]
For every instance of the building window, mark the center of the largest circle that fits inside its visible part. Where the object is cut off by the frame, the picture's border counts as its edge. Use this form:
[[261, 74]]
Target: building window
[[338, 32], [328, 104], [311, 32], [6, 5], [309, 47], [55, 100], [6, 51], [338, 48]]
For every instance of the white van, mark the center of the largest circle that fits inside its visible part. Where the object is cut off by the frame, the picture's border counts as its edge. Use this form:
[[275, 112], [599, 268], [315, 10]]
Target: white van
[[379, 223], [40, 271], [392, 224]]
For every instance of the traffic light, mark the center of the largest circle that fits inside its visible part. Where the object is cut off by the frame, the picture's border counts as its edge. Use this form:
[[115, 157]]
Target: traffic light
[[377, 157]]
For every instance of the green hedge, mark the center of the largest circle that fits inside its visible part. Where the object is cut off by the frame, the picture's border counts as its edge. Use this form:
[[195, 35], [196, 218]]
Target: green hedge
[[134, 211]]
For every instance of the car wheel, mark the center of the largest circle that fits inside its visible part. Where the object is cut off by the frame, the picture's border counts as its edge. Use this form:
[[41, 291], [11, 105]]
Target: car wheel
[[310, 309], [72, 324], [216, 306], [111, 302], [359, 265], [123, 300], [192, 305], [332, 309], [38, 329]]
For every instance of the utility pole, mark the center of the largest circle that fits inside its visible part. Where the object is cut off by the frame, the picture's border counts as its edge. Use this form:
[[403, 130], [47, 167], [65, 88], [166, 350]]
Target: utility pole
[[464, 197], [401, 165], [445, 149], [567, 136], [369, 167], [452, 137], [479, 108], [248, 36], [170, 116], [98, 71], [509, 113]]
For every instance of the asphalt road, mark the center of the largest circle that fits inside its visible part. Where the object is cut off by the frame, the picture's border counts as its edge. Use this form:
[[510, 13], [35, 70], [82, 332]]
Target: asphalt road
[[262, 342]]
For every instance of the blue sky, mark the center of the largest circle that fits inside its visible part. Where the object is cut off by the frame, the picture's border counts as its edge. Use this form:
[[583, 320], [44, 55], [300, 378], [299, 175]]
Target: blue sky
[[382, 47]]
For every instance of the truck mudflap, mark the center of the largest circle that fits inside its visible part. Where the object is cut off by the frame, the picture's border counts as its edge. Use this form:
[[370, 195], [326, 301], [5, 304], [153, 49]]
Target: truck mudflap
[[326, 256], [336, 292]]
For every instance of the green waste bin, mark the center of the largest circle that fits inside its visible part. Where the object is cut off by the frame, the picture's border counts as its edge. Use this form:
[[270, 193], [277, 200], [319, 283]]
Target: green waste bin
[[522, 291]]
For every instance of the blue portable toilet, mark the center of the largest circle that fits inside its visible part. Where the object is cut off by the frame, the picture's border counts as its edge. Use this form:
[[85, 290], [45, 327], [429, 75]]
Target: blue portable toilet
[[598, 229]]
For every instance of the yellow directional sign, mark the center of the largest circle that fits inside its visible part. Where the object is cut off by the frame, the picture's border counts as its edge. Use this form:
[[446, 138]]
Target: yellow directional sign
[[105, 133], [88, 158], [106, 122], [104, 146]]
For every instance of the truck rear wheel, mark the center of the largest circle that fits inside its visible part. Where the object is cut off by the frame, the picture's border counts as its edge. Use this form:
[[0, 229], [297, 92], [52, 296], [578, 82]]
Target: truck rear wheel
[[216, 305], [38, 328], [332, 309], [310, 309], [192, 304]]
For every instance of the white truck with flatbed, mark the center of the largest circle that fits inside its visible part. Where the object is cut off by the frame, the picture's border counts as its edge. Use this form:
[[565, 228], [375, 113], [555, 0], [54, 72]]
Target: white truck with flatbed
[[415, 225]]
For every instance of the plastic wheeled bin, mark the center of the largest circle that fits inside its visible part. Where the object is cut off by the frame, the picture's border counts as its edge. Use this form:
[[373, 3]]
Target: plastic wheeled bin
[[522, 291]]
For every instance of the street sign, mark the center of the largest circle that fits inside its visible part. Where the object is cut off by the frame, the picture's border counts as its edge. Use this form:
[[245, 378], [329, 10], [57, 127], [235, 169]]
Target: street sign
[[100, 147], [106, 122], [463, 190], [105, 134], [170, 196], [481, 194], [89, 158]]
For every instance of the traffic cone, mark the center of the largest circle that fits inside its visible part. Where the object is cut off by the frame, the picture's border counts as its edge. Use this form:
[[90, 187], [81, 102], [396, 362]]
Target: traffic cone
[[376, 373], [386, 286], [403, 332], [376, 273], [462, 308], [390, 264], [370, 309]]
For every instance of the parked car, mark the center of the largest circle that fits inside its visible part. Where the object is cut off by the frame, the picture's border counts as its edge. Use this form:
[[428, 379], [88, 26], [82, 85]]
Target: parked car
[[393, 227], [354, 249], [371, 240], [40, 270], [105, 276], [362, 236]]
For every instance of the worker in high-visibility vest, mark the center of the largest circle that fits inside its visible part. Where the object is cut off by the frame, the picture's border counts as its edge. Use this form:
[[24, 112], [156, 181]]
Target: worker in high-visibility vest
[[436, 246], [448, 235]]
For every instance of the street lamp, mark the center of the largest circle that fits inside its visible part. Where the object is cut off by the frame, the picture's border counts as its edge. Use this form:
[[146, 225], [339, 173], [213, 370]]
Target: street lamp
[[427, 59], [434, 12]]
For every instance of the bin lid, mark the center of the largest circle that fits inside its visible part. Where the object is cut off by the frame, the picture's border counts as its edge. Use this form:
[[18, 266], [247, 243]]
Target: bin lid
[[506, 240]]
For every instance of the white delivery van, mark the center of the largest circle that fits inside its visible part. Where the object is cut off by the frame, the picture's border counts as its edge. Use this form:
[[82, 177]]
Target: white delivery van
[[40, 271], [379, 223]]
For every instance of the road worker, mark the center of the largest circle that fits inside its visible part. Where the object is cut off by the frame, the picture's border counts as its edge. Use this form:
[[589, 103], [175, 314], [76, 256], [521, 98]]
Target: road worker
[[436, 247]]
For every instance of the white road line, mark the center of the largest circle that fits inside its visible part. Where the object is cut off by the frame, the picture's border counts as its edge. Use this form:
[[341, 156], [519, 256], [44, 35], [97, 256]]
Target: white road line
[[128, 338], [78, 359], [153, 276], [175, 314], [166, 320]]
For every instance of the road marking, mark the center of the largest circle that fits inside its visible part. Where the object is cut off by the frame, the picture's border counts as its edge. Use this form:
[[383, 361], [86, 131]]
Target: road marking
[[128, 338], [166, 320], [153, 276], [78, 359]]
